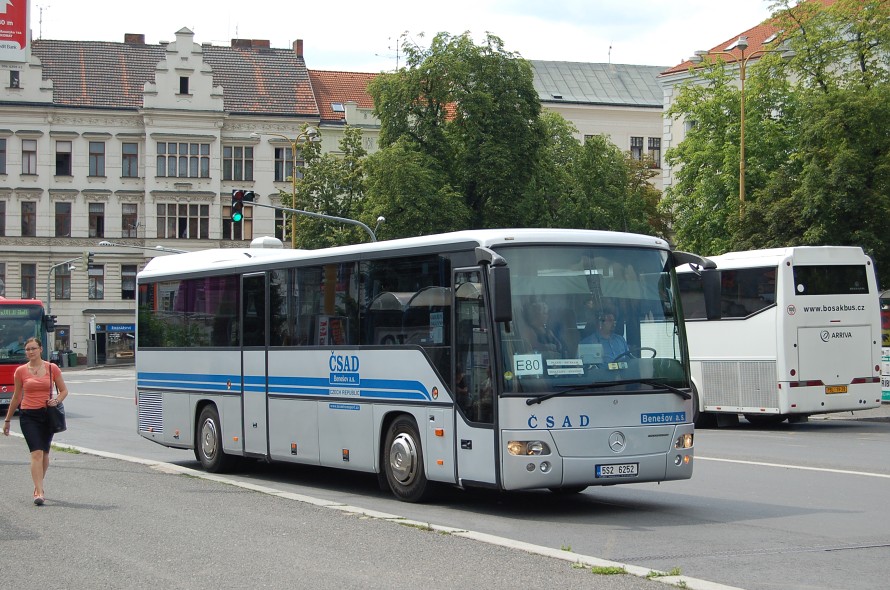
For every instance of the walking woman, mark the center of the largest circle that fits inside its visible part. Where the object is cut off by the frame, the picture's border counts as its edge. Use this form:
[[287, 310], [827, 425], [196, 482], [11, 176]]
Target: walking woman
[[33, 390]]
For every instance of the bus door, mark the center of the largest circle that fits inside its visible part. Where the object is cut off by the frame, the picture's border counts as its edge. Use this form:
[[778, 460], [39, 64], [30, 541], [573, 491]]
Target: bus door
[[474, 408], [254, 383]]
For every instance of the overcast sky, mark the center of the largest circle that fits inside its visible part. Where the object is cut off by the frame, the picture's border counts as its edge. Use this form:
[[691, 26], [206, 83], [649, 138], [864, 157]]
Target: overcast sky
[[362, 36]]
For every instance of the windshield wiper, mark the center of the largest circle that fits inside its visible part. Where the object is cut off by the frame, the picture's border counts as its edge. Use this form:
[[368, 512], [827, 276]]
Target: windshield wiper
[[671, 388], [546, 396], [649, 382]]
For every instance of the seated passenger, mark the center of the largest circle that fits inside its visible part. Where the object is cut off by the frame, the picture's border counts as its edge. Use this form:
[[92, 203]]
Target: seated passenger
[[537, 333], [614, 345]]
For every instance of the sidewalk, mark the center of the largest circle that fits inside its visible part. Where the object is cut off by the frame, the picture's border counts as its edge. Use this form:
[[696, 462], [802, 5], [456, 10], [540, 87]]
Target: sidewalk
[[879, 414], [109, 523]]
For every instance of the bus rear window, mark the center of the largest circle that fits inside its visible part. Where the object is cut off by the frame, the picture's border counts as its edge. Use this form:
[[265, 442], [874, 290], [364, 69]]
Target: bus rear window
[[848, 279]]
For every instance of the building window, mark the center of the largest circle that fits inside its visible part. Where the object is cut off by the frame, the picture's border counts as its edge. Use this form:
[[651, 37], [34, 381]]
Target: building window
[[184, 160], [128, 281], [63, 220], [97, 220], [97, 158], [237, 231], [96, 285], [184, 221], [29, 156], [183, 85], [63, 282], [636, 148], [237, 162], [15, 80], [29, 219], [280, 227], [284, 164], [63, 158], [130, 160], [29, 281], [129, 220], [2, 155], [2, 279], [2, 218], [655, 151]]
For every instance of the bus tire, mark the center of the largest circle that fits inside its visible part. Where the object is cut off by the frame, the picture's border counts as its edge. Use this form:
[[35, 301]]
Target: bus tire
[[403, 461], [209, 442]]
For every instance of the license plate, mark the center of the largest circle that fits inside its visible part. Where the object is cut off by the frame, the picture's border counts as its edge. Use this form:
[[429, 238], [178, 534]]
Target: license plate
[[835, 389], [618, 470]]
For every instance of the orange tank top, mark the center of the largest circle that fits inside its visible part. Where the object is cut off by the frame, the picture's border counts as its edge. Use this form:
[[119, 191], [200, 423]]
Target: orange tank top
[[35, 390]]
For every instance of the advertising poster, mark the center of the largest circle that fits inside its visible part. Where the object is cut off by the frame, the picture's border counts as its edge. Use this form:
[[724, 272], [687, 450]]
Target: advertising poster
[[13, 30]]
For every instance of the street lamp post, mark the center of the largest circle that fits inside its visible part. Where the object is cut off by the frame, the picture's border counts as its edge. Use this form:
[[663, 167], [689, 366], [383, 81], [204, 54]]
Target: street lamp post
[[741, 44], [310, 134], [158, 248], [49, 300]]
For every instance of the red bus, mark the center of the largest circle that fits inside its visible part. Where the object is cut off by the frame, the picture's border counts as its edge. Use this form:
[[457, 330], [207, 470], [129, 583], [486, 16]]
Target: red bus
[[20, 319]]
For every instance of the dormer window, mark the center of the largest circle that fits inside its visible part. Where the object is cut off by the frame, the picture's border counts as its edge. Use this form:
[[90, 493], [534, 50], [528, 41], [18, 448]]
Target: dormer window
[[337, 107], [183, 85]]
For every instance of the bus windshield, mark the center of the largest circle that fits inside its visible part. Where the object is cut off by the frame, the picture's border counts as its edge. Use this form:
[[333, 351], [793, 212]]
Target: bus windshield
[[18, 322], [590, 316]]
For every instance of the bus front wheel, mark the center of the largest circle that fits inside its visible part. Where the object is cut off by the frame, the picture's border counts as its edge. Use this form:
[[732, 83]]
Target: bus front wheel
[[208, 446], [403, 461]]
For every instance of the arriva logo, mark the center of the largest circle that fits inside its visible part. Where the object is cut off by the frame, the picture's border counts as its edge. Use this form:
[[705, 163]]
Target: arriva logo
[[825, 335]]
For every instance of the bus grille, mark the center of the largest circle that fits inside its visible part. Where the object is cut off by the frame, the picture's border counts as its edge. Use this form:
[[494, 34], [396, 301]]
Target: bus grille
[[745, 384], [151, 412]]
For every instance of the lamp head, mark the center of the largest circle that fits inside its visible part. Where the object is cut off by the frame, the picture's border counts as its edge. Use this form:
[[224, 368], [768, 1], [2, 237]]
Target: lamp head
[[381, 219], [312, 134], [742, 43]]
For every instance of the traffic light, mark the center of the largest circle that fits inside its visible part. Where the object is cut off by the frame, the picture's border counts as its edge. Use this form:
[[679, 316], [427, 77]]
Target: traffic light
[[87, 259], [49, 323], [237, 205]]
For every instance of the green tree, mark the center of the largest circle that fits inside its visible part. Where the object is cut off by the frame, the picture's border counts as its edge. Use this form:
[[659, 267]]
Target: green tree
[[817, 138], [332, 184], [471, 109], [408, 188]]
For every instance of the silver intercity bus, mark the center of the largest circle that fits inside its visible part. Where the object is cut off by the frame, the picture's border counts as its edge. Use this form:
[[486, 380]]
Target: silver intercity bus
[[508, 359]]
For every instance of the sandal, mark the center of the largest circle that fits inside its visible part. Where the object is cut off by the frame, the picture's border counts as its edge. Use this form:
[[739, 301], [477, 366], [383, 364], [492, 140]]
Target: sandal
[[38, 500]]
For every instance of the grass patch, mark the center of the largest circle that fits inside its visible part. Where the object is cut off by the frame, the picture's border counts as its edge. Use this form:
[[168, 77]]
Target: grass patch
[[566, 548], [68, 450], [672, 572], [607, 570]]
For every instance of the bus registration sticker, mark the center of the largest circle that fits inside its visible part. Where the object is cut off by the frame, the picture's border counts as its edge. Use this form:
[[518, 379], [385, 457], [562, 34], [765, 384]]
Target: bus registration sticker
[[835, 389], [618, 470]]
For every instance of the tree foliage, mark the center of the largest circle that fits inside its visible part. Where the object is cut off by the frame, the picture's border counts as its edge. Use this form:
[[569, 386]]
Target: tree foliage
[[817, 138]]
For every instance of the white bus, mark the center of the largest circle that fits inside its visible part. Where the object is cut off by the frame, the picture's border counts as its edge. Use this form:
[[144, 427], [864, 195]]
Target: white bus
[[794, 332], [402, 358]]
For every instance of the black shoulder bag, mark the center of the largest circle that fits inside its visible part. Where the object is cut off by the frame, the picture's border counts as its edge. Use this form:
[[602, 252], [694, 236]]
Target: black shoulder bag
[[55, 414]]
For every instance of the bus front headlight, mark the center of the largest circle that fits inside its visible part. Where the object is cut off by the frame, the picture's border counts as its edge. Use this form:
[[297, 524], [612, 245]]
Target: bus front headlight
[[684, 441], [527, 447]]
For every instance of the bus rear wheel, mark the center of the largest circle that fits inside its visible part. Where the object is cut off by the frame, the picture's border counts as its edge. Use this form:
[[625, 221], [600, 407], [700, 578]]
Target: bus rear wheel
[[403, 461], [209, 443]]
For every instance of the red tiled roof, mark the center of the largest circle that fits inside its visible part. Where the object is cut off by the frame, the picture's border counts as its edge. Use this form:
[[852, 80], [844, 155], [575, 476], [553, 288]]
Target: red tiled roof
[[102, 74], [756, 37], [340, 87]]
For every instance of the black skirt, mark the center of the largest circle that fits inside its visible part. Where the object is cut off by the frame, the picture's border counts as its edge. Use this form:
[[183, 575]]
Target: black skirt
[[36, 428]]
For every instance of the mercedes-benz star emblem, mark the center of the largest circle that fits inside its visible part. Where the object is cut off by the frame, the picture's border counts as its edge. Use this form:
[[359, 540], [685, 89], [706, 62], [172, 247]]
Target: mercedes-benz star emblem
[[617, 441]]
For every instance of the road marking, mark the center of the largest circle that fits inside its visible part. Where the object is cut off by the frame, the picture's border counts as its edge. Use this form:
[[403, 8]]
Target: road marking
[[798, 467], [77, 394]]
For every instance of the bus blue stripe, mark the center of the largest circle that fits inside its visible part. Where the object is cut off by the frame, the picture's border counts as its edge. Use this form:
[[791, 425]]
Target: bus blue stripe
[[281, 385]]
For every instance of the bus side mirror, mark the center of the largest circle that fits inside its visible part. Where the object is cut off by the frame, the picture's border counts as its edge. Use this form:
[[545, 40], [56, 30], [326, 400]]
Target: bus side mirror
[[711, 288], [501, 295]]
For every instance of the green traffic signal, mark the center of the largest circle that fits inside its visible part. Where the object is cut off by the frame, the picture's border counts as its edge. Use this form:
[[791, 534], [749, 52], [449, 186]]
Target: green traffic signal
[[237, 205]]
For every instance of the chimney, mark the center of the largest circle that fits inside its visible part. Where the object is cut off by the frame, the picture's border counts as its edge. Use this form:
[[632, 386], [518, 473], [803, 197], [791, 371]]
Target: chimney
[[134, 38], [241, 43], [260, 43], [298, 47]]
